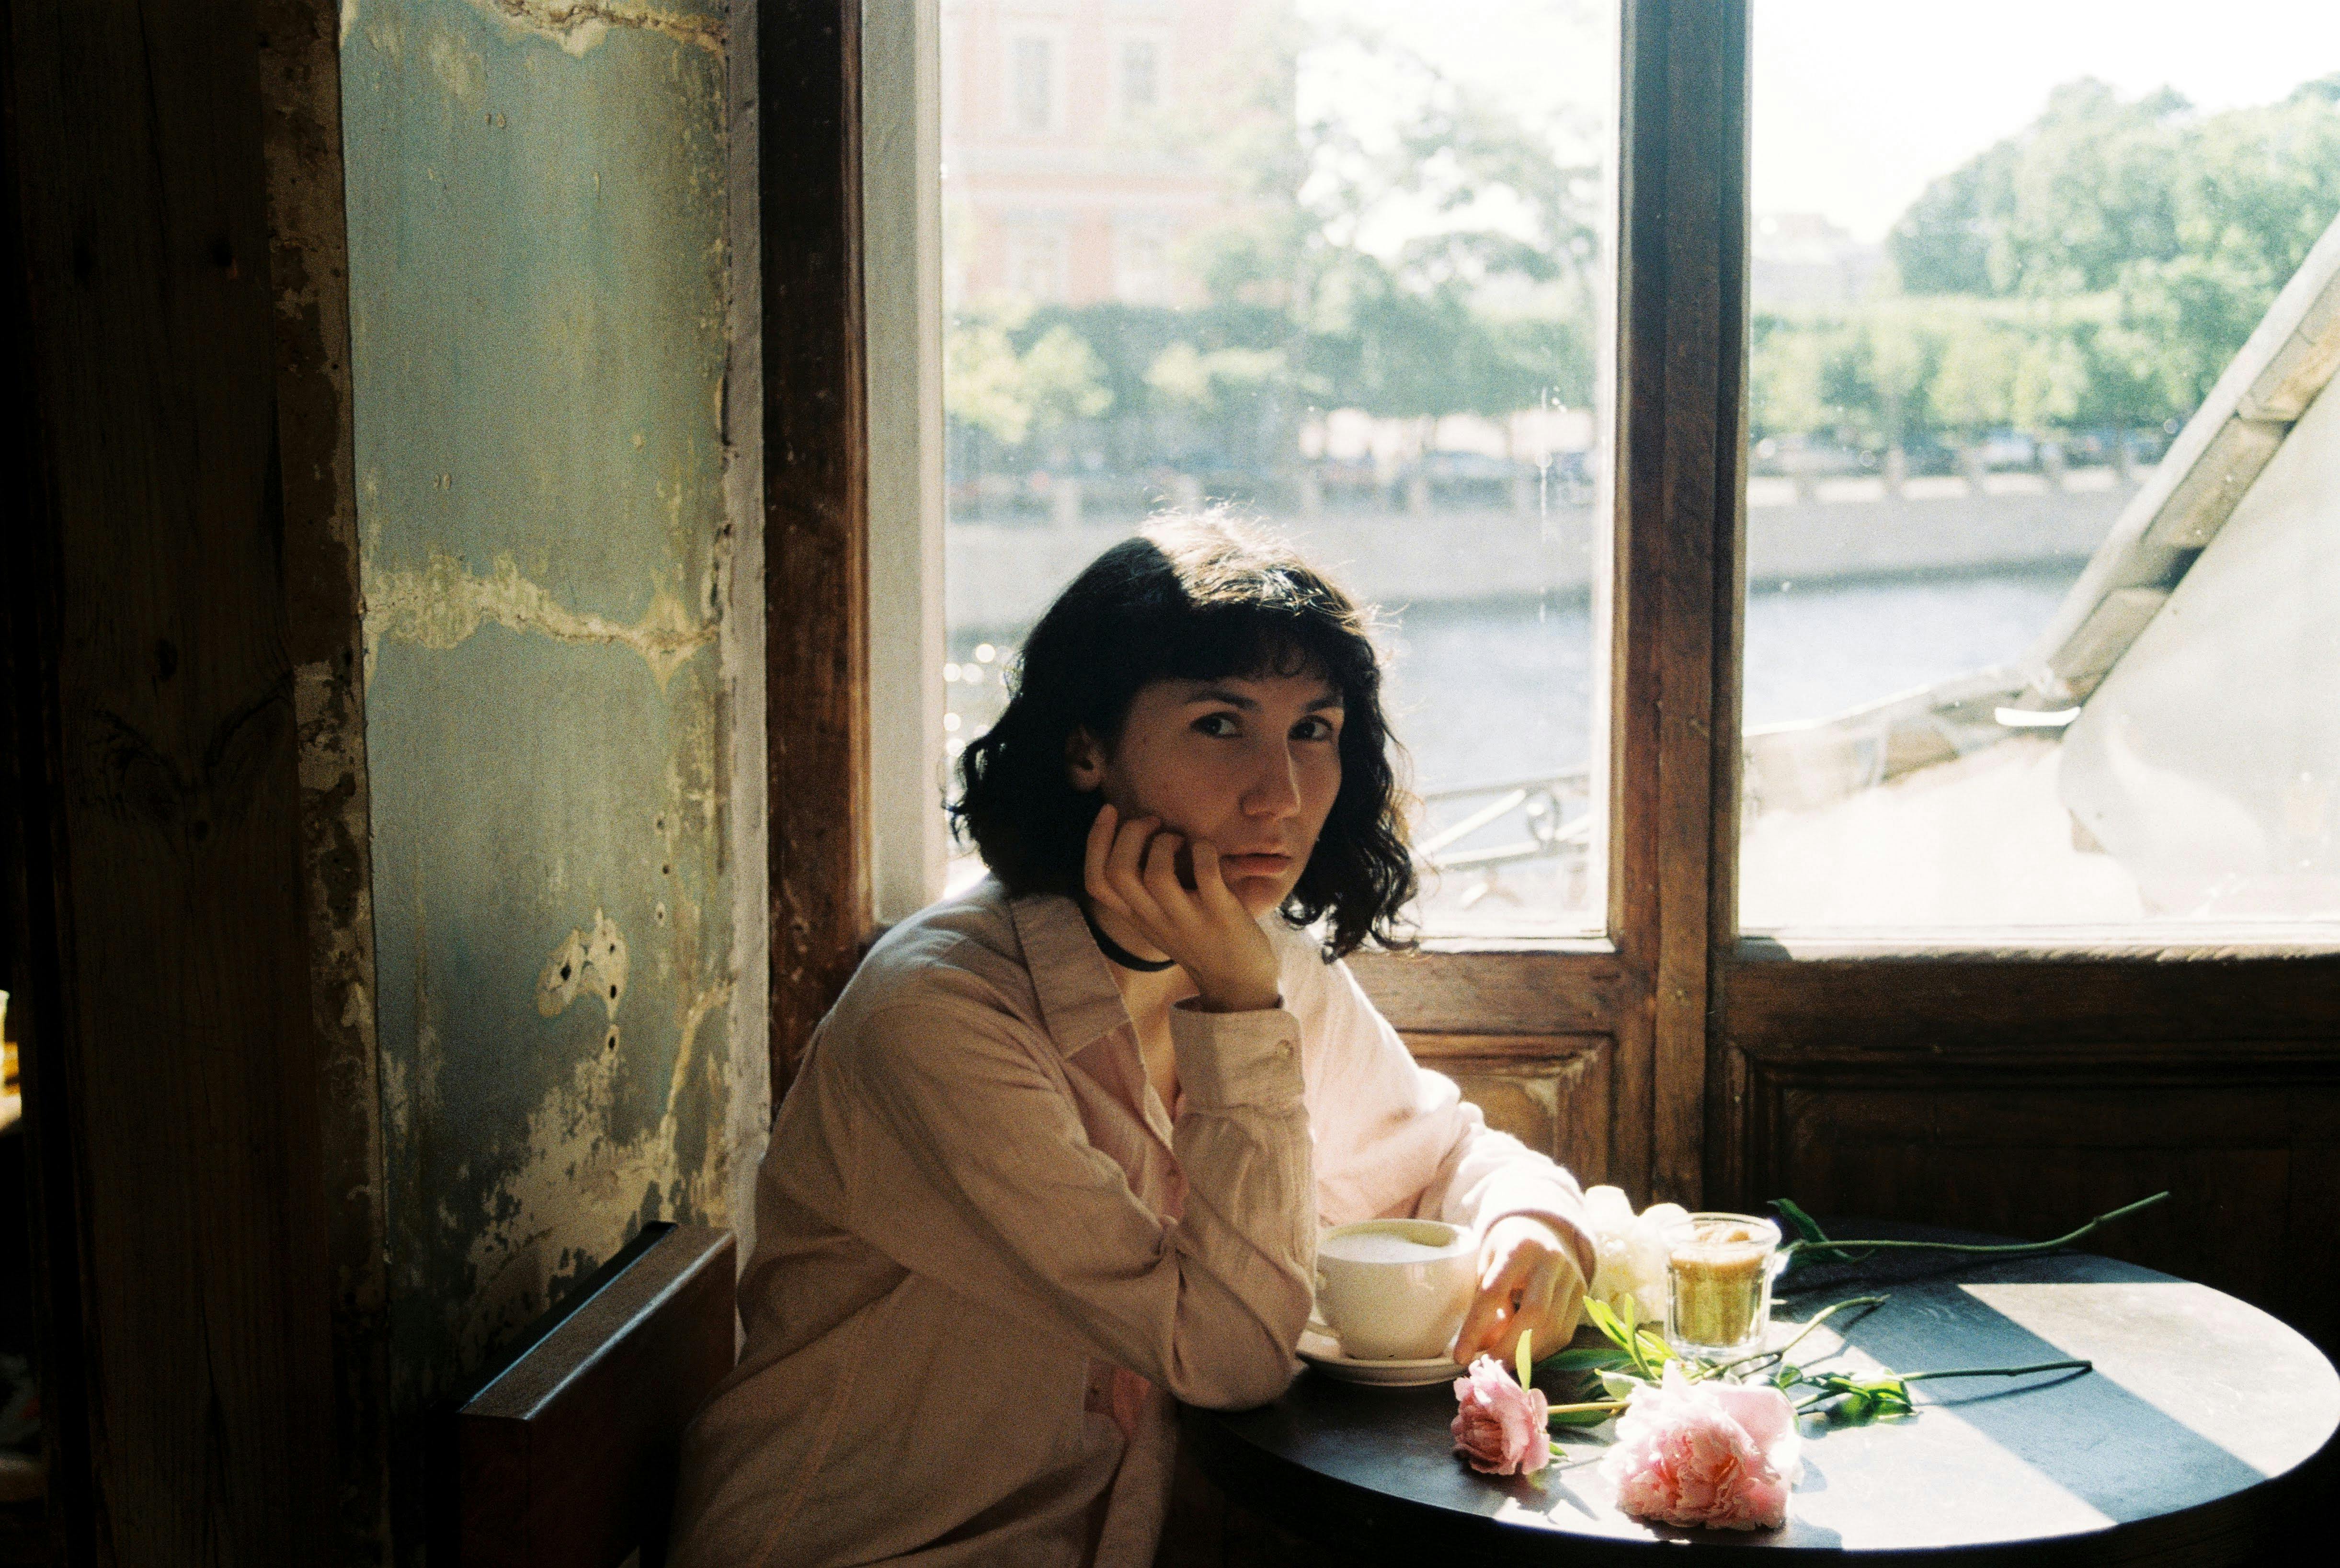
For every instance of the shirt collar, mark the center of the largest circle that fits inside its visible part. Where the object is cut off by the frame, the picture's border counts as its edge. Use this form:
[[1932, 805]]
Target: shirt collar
[[1079, 1003]]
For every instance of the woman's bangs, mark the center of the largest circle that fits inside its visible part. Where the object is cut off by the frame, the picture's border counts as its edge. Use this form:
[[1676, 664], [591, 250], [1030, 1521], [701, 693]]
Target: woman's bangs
[[1257, 643]]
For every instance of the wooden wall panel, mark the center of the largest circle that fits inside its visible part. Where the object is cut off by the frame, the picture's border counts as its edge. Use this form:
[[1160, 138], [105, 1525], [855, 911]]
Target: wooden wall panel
[[2245, 1137], [1556, 1093]]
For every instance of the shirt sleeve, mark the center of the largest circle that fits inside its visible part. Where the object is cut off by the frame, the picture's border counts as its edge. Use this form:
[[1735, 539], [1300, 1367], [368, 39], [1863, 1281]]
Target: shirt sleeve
[[1394, 1137], [995, 1189]]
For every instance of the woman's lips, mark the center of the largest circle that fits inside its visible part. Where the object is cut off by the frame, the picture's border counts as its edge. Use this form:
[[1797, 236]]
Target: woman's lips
[[1255, 865]]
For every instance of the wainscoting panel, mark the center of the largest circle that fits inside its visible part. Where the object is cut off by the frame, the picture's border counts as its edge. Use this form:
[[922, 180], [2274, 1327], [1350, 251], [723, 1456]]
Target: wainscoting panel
[[2244, 1135], [1555, 1093]]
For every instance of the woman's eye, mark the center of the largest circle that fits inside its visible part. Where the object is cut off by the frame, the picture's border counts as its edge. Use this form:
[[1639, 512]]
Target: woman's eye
[[1315, 730], [1217, 724]]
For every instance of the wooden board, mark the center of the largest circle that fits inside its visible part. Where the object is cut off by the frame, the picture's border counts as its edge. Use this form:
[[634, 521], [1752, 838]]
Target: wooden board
[[566, 1458]]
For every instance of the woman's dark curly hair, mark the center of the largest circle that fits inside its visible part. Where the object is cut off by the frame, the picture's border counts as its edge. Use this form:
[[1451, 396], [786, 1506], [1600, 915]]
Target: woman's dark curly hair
[[1190, 599]]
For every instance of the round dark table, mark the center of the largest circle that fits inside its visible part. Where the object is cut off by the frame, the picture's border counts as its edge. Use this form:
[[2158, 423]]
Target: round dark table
[[2190, 1443]]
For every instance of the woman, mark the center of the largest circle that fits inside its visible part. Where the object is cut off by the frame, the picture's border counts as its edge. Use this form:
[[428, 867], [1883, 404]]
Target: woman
[[1059, 1156]]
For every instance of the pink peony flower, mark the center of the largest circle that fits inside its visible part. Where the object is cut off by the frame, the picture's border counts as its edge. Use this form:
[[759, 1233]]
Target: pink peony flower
[[1499, 1426], [1717, 1453]]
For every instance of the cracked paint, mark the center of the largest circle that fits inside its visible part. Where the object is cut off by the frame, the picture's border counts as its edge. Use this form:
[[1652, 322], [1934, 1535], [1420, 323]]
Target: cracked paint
[[574, 1154], [577, 27], [443, 604], [594, 962]]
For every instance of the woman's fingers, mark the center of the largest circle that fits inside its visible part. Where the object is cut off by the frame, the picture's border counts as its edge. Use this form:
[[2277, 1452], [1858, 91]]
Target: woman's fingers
[[1490, 1316], [1567, 1303], [1204, 910], [1161, 878], [1484, 1333], [1128, 844], [1125, 874], [1121, 861], [1094, 855], [1131, 867], [1532, 1287], [1211, 883], [1567, 1300]]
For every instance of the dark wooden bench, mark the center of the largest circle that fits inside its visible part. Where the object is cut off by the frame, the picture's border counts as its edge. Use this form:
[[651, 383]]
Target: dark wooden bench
[[565, 1457]]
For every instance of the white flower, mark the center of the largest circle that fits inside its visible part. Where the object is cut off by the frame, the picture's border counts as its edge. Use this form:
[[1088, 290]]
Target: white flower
[[1632, 1252]]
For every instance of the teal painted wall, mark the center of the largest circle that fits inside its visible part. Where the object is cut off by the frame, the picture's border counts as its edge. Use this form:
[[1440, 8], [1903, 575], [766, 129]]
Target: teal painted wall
[[538, 220]]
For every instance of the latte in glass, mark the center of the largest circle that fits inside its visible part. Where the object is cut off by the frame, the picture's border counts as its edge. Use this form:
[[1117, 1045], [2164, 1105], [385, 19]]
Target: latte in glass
[[1719, 1270]]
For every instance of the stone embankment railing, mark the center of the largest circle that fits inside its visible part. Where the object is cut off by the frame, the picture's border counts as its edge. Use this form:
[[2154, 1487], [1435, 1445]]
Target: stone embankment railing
[[1003, 575]]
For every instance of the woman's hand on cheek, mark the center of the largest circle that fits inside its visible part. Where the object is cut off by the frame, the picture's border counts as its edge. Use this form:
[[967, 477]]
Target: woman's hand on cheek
[[1528, 1279], [1132, 870]]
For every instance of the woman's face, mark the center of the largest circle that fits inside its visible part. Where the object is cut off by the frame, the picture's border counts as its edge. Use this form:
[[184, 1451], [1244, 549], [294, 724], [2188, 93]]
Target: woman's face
[[1250, 764]]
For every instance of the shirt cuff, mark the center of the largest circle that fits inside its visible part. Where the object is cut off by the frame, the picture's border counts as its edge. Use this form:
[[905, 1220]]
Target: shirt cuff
[[1229, 1059]]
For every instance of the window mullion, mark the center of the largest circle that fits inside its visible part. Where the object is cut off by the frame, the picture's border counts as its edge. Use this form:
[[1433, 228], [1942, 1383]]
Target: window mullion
[[1674, 685]]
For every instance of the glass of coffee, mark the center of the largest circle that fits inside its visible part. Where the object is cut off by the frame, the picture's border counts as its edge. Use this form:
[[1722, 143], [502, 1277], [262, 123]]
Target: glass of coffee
[[1718, 1272]]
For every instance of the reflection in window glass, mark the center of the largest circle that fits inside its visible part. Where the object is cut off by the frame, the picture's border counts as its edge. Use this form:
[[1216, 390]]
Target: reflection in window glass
[[1140, 81], [1351, 279], [1032, 85], [2043, 597]]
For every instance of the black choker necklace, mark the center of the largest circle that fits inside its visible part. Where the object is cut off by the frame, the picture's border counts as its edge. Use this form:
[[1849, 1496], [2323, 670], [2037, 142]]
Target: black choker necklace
[[1123, 956]]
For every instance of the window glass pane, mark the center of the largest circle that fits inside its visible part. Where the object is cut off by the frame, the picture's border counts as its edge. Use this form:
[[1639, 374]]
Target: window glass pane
[[1343, 266], [1139, 88], [2043, 578], [1033, 103]]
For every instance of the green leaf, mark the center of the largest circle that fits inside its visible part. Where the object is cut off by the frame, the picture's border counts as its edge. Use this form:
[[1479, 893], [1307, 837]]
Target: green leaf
[[1806, 1227], [1580, 1418], [1861, 1399], [1608, 1323], [1526, 1361], [1642, 1345], [1621, 1385], [1589, 1358]]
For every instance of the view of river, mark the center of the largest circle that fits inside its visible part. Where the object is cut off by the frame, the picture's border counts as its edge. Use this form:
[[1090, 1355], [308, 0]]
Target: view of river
[[1482, 692]]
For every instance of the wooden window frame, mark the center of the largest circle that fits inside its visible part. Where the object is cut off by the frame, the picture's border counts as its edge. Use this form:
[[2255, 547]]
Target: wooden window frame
[[1693, 1052], [813, 408], [1639, 999]]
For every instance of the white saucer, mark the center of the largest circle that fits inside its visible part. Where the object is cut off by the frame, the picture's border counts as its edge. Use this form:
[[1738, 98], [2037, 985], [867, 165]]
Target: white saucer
[[1320, 1350]]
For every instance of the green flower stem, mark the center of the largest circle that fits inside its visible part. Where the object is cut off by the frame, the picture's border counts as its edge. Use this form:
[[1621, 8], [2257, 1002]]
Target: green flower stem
[[1999, 1249], [1906, 1377], [1781, 1354], [2001, 1371], [1580, 1409]]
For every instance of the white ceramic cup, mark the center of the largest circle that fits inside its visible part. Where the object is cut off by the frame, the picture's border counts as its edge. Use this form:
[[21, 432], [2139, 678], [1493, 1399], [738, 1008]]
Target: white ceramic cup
[[1395, 1289]]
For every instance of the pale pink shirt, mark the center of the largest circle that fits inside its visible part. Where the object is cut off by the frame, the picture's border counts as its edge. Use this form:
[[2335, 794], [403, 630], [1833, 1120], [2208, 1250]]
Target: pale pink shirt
[[989, 1259]]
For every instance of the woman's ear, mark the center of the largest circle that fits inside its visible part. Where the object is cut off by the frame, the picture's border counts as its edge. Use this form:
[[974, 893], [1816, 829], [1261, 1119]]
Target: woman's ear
[[1084, 760]]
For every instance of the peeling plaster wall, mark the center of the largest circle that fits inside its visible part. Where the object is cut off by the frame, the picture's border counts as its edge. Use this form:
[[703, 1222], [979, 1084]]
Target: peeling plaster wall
[[539, 226]]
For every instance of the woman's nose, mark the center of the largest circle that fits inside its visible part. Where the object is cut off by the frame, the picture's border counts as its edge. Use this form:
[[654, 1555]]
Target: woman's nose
[[1275, 790]]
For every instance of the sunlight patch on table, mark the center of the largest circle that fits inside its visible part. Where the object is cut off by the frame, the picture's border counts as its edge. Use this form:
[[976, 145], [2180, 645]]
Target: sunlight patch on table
[[2120, 1327]]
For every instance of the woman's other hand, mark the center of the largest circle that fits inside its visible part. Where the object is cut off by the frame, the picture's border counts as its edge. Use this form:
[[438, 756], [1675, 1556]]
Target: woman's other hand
[[1528, 1279], [1132, 870]]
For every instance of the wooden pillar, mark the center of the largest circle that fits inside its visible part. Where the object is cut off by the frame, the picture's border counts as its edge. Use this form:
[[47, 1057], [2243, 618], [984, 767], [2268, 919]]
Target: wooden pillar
[[816, 510], [155, 855]]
